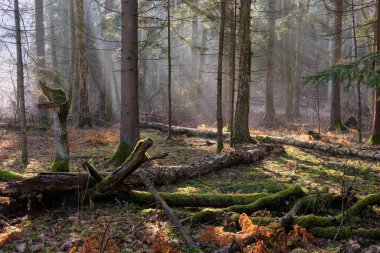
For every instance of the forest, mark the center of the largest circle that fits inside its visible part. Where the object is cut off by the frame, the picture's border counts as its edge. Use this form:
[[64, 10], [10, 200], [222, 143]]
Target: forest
[[167, 126]]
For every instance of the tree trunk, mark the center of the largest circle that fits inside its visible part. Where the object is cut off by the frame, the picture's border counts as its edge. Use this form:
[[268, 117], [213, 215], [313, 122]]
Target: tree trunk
[[336, 119], [241, 122], [84, 120], [72, 82], [287, 67], [53, 46], [231, 7], [299, 61], [20, 86], [42, 116], [270, 112], [202, 61], [169, 75], [59, 105], [129, 113], [219, 113], [375, 135]]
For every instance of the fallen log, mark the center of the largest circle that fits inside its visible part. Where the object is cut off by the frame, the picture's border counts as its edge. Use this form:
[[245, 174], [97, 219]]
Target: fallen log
[[274, 202], [67, 183], [172, 174], [123, 179], [323, 147], [193, 200]]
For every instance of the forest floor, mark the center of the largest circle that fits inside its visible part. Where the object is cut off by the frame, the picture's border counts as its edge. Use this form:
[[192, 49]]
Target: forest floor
[[134, 228]]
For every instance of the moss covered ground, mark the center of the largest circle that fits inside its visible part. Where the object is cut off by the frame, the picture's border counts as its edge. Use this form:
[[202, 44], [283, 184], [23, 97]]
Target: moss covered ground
[[134, 226]]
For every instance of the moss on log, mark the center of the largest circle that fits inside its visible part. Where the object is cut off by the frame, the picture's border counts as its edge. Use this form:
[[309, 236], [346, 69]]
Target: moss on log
[[7, 175], [195, 200], [272, 202], [346, 233], [123, 151]]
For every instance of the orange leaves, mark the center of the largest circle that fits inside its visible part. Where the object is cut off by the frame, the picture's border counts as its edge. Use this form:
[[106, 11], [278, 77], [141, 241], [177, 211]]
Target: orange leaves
[[9, 235], [6, 200], [254, 230], [94, 243], [258, 239], [161, 244], [216, 235]]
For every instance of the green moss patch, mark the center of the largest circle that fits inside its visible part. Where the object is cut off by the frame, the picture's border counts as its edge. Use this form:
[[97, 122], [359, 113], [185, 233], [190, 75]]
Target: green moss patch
[[374, 140], [7, 175], [122, 153], [60, 165]]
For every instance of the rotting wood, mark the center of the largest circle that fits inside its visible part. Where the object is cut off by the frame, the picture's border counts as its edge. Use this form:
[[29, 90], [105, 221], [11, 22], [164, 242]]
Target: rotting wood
[[371, 154], [169, 212]]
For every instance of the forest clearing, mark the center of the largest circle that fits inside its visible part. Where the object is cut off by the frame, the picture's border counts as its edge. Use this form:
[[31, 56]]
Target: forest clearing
[[167, 126]]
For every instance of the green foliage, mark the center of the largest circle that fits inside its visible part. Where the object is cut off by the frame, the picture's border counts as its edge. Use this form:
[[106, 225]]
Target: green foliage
[[364, 69], [122, 153], [338, 127], [374, 139], [7, 175], [60, 165]]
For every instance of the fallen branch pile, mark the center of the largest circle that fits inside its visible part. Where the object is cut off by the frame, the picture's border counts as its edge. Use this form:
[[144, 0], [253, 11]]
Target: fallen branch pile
[[328, 148]]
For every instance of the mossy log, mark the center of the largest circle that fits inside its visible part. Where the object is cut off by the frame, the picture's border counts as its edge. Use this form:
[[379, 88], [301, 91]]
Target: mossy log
[[194, 200], [372, 154], [310, 221], [346, 233], [274, 202]]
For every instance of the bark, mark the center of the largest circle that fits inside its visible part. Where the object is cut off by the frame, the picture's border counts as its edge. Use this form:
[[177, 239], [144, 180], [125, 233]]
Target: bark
[[375, 135], [270, 113], [60, 105], [20, 85], [319, 146], [169, 75], [172, 174], [299, 61], [241, 120], [72, 83], [219, 113], [40, 48], [287, 69], [52, 36], [202, 62], [336, 118], [129, 116], [84, 120], [231, 63]]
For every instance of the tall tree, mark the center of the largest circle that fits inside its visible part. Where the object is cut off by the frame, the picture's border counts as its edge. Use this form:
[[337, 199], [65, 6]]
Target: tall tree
[[169, 75], [129, 113], [219, 114], [287, 67], [20, 85], [52, 37], [40, 48], [375, 136], [270, 112], [71, 18], [336, 118], [231, 9], [299, 57], [84, 119], [241, 121]]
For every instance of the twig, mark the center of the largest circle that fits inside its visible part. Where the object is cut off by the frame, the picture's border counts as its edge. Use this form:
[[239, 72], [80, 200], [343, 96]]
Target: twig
[[158, 157], [169, 212]]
